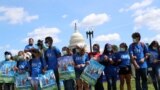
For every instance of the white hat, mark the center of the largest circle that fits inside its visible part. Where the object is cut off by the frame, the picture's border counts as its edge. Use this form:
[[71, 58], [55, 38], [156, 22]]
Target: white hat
[[28, 55]]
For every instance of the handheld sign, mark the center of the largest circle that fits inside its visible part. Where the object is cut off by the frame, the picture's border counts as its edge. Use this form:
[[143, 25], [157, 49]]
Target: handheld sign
[[22, 82], [7, 72], [66, 68], [92, 72], [47, 81]]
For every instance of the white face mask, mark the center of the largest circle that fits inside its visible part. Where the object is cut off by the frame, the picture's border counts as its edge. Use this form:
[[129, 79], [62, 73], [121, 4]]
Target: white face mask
[[134, 40], [77, 50], [155, 48], [8, 57], [47, 45], [64, 52], [122, 49]]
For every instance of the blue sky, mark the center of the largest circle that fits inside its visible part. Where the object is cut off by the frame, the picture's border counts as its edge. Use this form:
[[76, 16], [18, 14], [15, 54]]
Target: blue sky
[[113, 21]]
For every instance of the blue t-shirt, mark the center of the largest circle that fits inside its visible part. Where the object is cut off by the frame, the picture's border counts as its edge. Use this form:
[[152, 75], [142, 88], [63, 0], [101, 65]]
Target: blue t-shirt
[[51, 55], [111, 69], [36, 67], [23, 65], [139, 50], [125, 59], [78, 59], [153, 56], [28, 47]]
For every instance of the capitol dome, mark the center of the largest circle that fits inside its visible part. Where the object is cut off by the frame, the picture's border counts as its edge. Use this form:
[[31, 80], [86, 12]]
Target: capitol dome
[[76, 38]]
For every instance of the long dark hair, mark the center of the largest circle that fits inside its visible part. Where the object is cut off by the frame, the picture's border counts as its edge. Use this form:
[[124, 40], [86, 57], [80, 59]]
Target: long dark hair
[[97, 45], [105, 52], [153, 43]]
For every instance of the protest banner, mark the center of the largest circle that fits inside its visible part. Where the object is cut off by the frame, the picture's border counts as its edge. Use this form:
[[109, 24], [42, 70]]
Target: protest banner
[[47, 81], [66, 68], [22, 82], [7, 72], [92, 72]]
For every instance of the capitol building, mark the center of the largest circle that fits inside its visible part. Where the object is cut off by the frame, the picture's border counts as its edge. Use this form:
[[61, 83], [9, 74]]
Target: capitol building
[[76, 38]]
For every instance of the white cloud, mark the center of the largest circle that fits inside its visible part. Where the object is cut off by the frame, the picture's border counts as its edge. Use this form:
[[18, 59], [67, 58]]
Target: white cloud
[[42, 32], [137, 5], [149, 40], [64, 16], [140, 5], [149, 17], [95, 19], [145, 15], [107, 38], [16, 15], [92, 20]]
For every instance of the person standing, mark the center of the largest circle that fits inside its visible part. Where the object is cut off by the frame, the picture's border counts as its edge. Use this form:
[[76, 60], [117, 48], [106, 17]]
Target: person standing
[[51, 54], [30, 46], [109, 60], [139, 53], [68, 84], [40, 46], [124, 66], [8, 66], [80, 60], [154, 64], [36, 67], [22, 63], [97, 56]]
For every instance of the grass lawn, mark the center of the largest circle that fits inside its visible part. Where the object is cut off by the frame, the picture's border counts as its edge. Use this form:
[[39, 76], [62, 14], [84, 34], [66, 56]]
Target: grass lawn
[[150, 85]]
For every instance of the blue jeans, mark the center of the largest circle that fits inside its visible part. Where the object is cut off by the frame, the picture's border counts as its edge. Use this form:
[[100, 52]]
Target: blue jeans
[[141, 74]]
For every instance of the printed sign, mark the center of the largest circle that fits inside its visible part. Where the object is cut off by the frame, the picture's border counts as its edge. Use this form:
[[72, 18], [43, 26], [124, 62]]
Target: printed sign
[[7, 72], [92, 72], [47, 81], [66, 68], [22, 82]]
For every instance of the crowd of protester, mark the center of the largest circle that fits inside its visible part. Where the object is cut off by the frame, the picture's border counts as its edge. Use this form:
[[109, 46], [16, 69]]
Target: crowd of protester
[[37, 59]]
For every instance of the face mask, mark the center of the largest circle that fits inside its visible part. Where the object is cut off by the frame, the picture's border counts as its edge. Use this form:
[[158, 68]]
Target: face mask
[[122, 49], [47, 45], [20, 57], [95, 50], [8, 57], [77, 50], [109, 49], [155, 48], [64, 52], [134, 40]]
